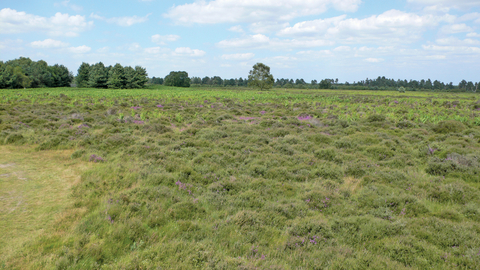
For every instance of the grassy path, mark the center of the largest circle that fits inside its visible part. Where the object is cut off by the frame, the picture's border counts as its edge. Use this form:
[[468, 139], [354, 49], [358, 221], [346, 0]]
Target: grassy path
[[34, 192]]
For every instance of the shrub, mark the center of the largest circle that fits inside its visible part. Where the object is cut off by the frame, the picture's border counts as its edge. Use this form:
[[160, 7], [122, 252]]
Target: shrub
[[449, 126], [376, 118], [310, 227], [13, 138], [77, 154], [329, 171]]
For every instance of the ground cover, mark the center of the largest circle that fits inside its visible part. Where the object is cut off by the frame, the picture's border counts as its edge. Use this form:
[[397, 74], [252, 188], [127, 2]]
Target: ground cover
[[34, 192], [222, 179]]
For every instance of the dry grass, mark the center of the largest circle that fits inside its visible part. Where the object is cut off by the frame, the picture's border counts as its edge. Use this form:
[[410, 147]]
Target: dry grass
[[34, 189], [351, 184]]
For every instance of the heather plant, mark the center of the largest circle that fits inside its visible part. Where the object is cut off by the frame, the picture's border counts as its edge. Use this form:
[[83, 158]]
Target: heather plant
[[282, 179]]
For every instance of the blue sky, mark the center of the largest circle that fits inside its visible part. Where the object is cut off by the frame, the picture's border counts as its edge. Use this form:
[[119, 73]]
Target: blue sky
[[310, 39]]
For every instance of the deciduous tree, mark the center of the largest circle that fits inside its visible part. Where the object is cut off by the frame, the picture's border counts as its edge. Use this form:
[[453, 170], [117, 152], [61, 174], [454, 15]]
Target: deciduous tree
[[260, 77], [178, 79]]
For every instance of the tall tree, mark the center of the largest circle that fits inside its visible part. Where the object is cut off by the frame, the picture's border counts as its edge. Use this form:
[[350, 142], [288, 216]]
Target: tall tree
[[61, 76], [217, 81], [178, 79], [260, 77], [140, 78], [98, 76], [19, 79], [325, 84], [83, 75], [116, 78]]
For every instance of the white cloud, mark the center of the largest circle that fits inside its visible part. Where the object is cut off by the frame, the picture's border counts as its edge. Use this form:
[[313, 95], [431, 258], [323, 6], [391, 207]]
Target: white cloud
[[80, 49], [312, 28], [48, 43], [161, 40], [436, 57], [469, 17], [67, 4], [392, 26], [456, 28], [236, 28], [473, 34], [185, 51], [453, 49], [12, 22], [153, 50], [134, 47], [456, 4], [103, 50], [232, 11], [260, 41], [342, 49], [238, 56], [266, 27], [11, 44], [374, 60], [122, 21], [453, 41]]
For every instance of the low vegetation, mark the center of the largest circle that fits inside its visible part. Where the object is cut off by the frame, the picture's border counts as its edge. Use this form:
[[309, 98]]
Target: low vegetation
[[212, 179]]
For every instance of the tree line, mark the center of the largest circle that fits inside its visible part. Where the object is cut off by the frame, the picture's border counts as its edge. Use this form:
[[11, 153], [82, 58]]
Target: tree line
[[25, 73], [116, 77], [380, 83]]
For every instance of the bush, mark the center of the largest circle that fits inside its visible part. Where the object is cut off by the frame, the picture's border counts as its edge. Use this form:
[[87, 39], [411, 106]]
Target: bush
[[376, 118], [13, 138], [449, 126], [329, 171]]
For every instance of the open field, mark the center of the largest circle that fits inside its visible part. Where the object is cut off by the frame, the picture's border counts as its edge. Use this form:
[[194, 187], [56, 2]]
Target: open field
[[239, 179]]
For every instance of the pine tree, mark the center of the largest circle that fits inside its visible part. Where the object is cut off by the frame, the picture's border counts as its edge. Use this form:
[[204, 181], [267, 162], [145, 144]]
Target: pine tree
[[117, 77], [83, 75], [98, 76]]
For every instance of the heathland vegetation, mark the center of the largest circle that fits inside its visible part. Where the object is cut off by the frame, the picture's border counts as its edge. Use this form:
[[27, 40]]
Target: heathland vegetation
[[210, 178]]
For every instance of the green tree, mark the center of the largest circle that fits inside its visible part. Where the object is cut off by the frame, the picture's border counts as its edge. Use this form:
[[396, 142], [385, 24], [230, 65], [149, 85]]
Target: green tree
[[140, 78], [325, 84], [155, 80], [117, 77], [61, 76], [260, 77], [178, 79], [217, 81], [19, 79], [98, 76], [83, 75], [196, 80], [3, 75], [206, 81], [40, 75]]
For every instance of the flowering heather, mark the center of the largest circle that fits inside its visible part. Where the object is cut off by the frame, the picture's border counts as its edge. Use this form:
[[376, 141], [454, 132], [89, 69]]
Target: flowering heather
[[181, 185], [299, 189], [64, 126], [246, 118], [95, 158], [304, 117]]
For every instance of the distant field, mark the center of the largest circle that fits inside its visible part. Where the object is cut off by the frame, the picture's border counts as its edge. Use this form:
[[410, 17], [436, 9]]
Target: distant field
[[202, 178]]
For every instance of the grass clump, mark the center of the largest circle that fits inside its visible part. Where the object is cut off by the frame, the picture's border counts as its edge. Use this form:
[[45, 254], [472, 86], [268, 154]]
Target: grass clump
[[449, 126]]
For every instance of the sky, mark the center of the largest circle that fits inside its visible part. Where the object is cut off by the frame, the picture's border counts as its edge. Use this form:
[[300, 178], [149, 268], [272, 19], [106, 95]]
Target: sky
[[311, 39]]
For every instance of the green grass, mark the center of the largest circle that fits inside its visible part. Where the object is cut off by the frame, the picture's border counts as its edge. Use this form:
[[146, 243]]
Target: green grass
[[242, 179], [34, 189]]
